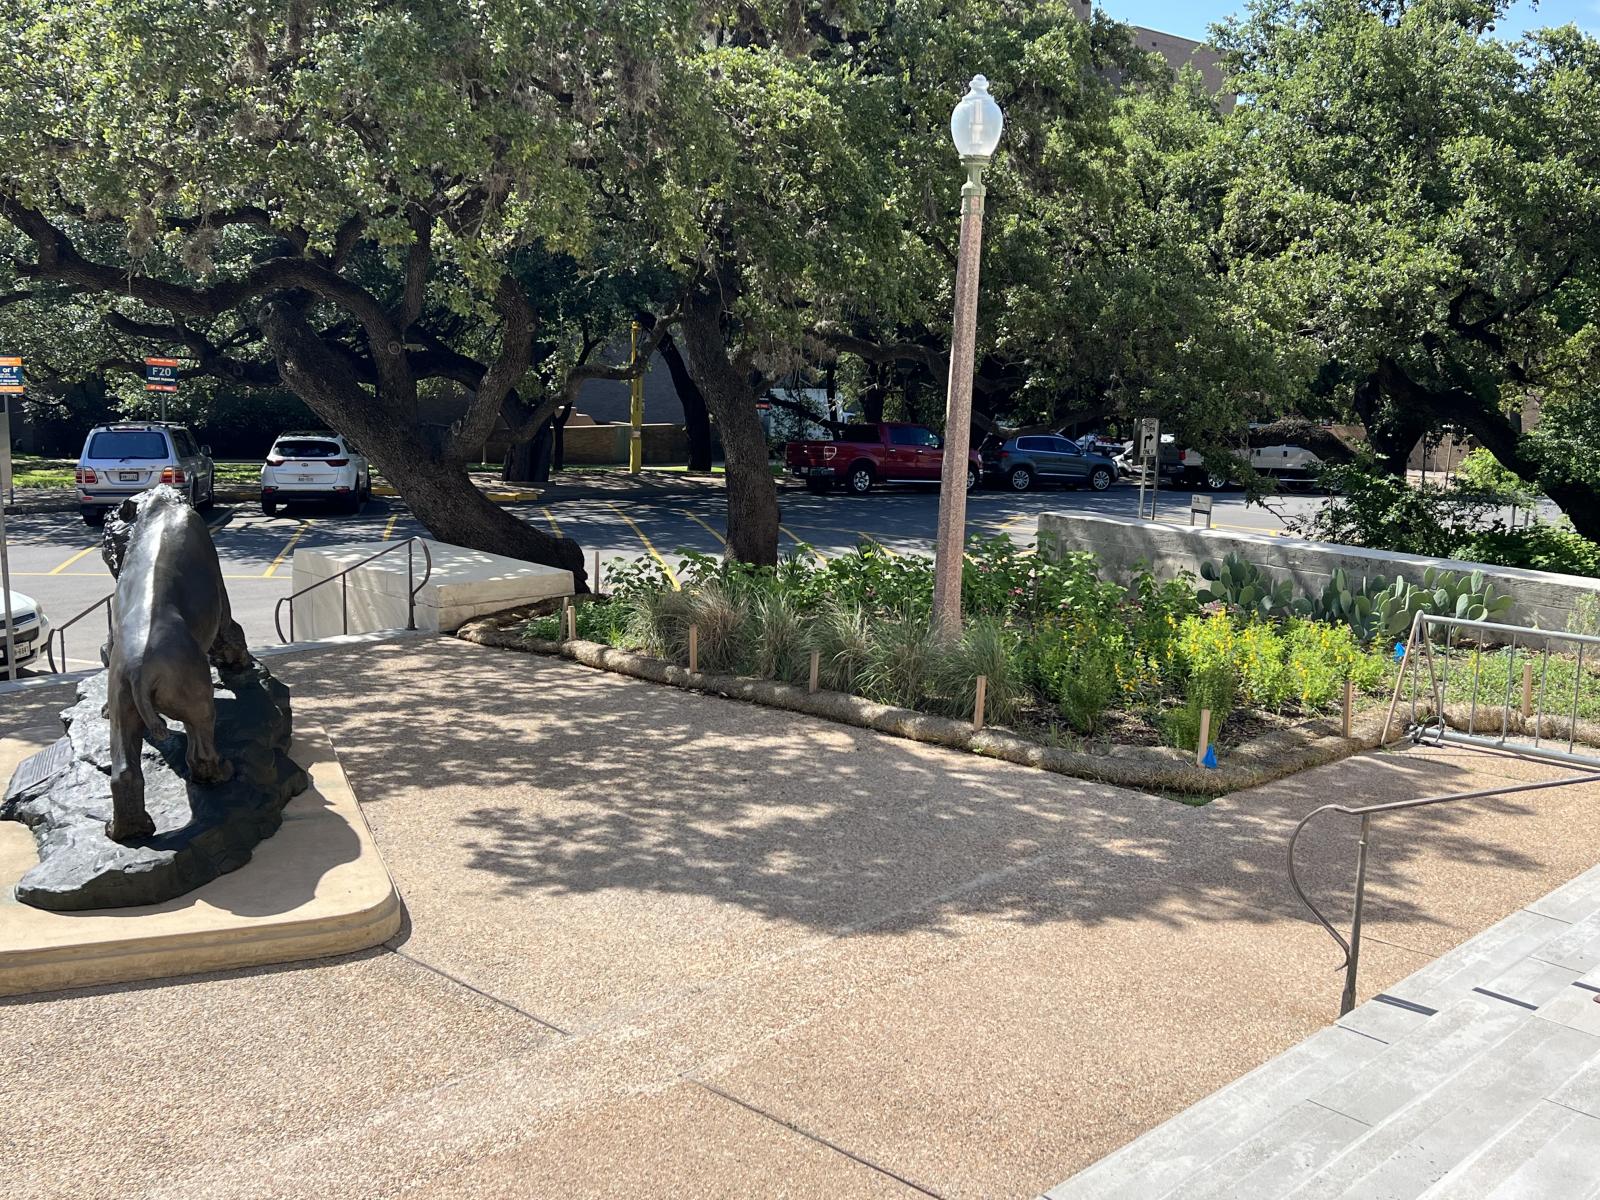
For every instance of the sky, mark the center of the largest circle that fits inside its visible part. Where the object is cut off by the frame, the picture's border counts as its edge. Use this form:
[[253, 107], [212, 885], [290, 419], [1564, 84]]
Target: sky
[[1191, 18]]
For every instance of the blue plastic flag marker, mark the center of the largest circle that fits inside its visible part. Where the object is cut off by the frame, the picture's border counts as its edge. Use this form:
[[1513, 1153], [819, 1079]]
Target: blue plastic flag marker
[[1210, 760], [1399, 652]]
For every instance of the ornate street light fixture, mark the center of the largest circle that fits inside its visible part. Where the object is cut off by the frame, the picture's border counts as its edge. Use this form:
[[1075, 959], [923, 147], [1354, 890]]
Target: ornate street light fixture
[[975, 128]]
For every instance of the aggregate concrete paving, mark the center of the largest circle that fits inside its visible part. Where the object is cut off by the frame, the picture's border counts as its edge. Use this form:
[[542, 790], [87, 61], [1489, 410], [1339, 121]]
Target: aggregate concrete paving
[[661, 943]]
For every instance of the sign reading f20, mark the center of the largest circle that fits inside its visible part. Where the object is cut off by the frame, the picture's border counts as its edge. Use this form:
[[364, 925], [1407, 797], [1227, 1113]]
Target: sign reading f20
[[160, 374], [11, 377]]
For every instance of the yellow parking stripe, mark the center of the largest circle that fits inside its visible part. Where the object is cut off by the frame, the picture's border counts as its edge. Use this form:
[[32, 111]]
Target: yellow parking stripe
[[389, 528], [665, 565], [73, 559], [284, 553], [554, 527], [686, 513], [867, 537], [821, 557]]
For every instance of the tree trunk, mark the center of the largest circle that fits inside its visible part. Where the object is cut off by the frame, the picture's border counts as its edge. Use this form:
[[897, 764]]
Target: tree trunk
[[696, 418], [1497, 434], [1394, 424], [752, 492], [435, 487]]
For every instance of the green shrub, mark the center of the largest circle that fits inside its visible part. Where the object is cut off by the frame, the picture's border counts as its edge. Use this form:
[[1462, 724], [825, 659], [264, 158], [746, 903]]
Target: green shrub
[[901, 654], [1537, 547], [1321, 657], [1213, 686], [658, 621], [989, 649]]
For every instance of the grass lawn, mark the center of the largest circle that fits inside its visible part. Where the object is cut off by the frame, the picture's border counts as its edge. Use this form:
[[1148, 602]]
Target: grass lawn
[[33, 471]]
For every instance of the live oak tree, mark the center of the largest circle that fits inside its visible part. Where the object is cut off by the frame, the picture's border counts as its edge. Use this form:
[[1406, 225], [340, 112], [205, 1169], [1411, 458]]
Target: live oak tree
[[1426, 199], [345, 198]]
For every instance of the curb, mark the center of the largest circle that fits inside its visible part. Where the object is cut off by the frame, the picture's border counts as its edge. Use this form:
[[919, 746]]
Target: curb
[[1142, 768]]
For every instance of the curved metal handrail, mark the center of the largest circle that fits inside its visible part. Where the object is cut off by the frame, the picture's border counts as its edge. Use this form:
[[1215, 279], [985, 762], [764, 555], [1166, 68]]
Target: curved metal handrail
[[1352, 945], [61, 632], [411, 597]]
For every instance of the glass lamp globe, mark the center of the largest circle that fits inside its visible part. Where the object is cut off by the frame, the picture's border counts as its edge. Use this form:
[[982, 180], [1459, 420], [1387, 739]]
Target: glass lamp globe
[[976, 122]]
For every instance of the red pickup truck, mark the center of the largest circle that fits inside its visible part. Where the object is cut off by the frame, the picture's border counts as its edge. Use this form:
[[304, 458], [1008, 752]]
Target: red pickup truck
[[863, 455]]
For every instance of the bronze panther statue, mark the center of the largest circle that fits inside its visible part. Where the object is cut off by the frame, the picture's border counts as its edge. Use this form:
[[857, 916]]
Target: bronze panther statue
[[170, 622]]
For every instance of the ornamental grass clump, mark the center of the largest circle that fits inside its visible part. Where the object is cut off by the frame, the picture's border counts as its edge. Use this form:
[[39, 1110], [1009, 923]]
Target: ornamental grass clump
[[989, 649], [780, 644], [721, 616], [900, 660], [842, 637]]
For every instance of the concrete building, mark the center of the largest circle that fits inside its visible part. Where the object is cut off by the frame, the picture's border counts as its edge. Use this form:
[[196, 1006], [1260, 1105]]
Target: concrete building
[[1178, 51]]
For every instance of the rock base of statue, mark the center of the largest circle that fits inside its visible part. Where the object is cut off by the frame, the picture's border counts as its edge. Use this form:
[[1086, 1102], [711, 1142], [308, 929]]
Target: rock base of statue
[[63, 794]]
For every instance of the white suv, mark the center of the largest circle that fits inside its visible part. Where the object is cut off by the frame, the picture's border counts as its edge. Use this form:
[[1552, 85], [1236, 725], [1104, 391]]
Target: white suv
[[122, 460], [315, 466]]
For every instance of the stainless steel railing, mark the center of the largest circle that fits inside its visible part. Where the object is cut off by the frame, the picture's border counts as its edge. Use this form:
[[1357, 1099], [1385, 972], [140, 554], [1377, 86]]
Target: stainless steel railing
[[60, 632], [1434, 641], [342, 578]]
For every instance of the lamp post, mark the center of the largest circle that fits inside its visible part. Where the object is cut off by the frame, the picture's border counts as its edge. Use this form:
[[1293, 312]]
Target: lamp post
[[975, 128]]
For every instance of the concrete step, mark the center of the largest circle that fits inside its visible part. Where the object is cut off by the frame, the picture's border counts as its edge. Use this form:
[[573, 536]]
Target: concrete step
[[1417, 1145], [1454, 974], [1550, 1151], [1571, 901], [1170, 1153]]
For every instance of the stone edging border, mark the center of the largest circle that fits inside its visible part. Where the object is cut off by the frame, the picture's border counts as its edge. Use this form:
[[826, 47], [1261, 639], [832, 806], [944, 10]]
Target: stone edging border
[[1145, 768]]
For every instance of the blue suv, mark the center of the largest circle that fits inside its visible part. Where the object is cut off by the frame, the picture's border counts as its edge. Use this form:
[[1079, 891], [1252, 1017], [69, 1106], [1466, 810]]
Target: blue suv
[[1025, 462]]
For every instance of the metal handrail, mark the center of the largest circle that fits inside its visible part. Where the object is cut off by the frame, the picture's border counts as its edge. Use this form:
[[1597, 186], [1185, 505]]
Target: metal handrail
[[61, 632], [344, 587], [1352, 945]]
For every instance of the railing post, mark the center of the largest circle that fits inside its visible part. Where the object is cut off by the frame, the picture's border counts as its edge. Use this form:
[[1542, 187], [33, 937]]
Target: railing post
[[1348, 1001], [344, 602], [411, 592]]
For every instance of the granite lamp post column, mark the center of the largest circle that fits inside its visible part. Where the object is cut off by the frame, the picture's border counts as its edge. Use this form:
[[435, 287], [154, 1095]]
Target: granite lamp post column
[[975, 127]]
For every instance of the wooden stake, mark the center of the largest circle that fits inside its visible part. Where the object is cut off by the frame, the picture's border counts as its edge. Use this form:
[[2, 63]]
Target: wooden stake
[[1205, 737], [1527, 690], [572, 622], [694, 647], [598, 586], [1349, 705], [977, 707], [816, 670]]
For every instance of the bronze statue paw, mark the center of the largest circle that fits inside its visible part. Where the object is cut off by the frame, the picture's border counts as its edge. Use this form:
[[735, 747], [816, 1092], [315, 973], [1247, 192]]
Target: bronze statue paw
[[132, 829]]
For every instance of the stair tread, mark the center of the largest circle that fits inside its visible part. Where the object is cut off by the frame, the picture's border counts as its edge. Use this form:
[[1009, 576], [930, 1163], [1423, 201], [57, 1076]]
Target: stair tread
[[1421, 1142], [1549, 1151], [1171, 1152]]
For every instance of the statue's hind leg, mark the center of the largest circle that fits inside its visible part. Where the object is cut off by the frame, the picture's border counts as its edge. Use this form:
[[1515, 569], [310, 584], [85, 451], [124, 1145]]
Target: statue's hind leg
[[129, 819]]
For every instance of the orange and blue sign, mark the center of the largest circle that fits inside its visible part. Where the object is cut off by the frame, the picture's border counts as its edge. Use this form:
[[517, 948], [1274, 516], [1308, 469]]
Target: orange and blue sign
[[11, 383], [160, 374]]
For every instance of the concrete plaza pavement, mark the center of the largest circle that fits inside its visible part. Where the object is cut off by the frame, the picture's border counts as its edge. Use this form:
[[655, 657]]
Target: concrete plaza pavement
[[664, 943]]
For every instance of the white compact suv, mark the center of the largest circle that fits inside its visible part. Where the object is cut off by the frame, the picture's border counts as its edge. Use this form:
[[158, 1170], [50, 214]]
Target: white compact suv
[[122, 460], [315, 466], [30, 632]]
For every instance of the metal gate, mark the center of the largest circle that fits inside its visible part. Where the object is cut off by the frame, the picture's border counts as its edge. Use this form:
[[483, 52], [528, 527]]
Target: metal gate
[[1486, 686]]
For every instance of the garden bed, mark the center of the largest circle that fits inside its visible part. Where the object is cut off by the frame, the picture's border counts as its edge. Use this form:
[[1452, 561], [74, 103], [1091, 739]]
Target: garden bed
[[1123, 681], [1284, 751]]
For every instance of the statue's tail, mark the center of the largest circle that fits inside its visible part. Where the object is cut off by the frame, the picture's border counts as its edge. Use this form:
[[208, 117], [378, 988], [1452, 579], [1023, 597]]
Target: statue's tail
[[145, 703]]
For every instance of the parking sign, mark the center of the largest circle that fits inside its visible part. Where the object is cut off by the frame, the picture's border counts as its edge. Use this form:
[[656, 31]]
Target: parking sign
[[160, 374]]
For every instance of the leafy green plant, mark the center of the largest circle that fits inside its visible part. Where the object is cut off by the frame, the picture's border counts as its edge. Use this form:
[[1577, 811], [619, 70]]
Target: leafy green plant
[[1079, 680], [1242, 585], [1215, 687], [1536, 547]]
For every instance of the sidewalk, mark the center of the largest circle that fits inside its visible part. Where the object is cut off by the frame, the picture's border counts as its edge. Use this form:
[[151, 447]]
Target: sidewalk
[[661, 943]]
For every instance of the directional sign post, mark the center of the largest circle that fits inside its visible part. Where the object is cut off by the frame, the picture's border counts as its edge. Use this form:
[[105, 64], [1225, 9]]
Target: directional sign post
[[1149, 456], [11, 384], [161, 376]]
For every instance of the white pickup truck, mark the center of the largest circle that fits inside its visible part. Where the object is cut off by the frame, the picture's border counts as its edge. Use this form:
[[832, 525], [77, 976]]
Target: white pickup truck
[[1293, 465]]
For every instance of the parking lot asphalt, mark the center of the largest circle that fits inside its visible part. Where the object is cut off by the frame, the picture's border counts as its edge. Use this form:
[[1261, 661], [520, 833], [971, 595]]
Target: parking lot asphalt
[[55, 558]]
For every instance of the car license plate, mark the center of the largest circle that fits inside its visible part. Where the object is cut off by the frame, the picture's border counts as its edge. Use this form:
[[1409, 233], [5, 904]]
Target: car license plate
[[128, 476], [305, 478]]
